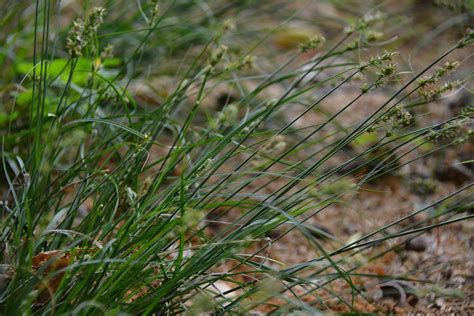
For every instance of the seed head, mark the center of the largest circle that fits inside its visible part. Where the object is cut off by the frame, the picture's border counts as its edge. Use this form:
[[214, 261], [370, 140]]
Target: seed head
[[365, 88], [75, 40], [468, 39], [249, 61], [365, 22], [217, 55], [403, 118], [451, 65], [276, 144], [82, 32], [228, 116], [155, 10], [387, 71], [374, 36], [95, 19], [228, 25], [427, 80], [352, 45], [312, 43], [108, 52]]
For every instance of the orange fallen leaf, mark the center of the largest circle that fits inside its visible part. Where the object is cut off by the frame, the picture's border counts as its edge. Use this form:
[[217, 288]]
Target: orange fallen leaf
[[60, 261]]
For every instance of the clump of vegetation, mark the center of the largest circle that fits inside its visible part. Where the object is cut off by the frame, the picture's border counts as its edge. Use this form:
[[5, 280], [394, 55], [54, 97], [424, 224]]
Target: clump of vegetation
[[154, 153]]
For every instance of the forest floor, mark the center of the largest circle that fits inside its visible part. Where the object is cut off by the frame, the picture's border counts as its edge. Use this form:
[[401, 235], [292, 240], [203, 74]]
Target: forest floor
[[429, 273]]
